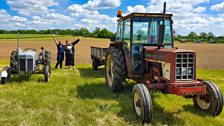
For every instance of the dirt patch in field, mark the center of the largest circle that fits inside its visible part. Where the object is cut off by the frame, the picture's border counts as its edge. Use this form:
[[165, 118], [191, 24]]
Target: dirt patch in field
[[208, 55]]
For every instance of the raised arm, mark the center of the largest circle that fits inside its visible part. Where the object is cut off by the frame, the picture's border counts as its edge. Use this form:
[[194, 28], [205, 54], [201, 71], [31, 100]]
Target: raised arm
[[55, 40], [75, 42]]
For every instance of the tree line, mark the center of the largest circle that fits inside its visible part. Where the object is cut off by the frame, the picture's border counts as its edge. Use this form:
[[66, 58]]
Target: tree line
[[97, 33], [202, 37]]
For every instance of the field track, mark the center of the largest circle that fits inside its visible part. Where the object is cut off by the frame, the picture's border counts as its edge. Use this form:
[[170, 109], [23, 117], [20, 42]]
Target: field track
[[209, 56]]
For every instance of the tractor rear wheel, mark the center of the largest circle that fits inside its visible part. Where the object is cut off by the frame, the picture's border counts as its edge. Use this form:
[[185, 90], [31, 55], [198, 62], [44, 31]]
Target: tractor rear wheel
[[212, 102], [115, 69], [142, 103], [13, 61], [95, 63], [48, 59], [46, 73]]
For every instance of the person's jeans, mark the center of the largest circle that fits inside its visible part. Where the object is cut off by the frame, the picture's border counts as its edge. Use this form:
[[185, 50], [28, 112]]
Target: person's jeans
[[56, 66]]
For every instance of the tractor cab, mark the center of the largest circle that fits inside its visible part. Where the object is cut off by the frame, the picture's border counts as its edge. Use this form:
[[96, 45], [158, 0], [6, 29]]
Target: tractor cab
[[140, 30]]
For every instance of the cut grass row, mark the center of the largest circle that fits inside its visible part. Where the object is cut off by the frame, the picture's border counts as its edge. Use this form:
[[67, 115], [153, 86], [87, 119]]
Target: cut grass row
[[80, 97]]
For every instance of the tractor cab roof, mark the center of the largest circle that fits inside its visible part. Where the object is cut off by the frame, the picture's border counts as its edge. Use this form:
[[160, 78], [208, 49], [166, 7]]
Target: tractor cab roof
[[152, 15]]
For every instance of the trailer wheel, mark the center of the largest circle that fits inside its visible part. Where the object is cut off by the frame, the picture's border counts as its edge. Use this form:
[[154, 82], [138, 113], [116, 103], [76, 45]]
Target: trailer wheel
[[46, 73], [142, 103], [95, 64], [115, 69], [212, 102]]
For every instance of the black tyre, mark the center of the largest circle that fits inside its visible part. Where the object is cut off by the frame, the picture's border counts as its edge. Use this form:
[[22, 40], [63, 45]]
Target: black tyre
[[212, 102], [3, 80], [48, 59], [8, 79], [142, 103], [116, 70], [13, 61], [46, 73], [95, 64]]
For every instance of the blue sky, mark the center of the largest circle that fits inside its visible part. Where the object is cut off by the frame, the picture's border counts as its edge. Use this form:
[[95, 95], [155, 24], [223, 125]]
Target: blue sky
[[189, 15]]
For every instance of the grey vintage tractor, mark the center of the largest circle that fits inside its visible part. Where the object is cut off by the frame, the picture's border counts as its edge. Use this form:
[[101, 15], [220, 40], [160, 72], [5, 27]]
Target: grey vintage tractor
[[27, 62]]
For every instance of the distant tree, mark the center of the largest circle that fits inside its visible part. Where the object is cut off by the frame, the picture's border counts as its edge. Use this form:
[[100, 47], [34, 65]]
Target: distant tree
[[96, 32], [104, 33], [139, 36], [203, 36], [84, 32], [192, 36], [210, 36]]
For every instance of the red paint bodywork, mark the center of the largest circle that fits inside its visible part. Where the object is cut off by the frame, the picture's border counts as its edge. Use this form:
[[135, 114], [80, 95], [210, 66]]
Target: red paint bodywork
[[171, 86]]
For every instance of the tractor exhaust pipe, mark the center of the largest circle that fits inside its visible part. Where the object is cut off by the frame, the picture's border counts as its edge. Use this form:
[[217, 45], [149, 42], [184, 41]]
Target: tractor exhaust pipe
[[18, 49], [18, 40], [162, 29]]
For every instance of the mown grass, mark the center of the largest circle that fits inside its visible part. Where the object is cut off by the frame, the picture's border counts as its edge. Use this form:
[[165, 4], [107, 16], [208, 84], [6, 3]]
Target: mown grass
[[29, 36], [80, 97]]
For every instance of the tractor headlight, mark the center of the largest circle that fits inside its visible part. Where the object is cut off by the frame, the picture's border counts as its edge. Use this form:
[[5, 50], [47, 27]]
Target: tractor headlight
[[184, 70], [190, 71], [178, 71]]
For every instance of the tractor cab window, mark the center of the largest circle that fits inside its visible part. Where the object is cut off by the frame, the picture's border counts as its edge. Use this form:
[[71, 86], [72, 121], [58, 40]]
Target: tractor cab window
[[127, 32], [119, 30], [146, 31]]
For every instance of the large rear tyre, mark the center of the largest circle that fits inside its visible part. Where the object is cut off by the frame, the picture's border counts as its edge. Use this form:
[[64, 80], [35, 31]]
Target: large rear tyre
[[116, 70], [95, 64], [13, 62], [142, 103], [48, 59], [212, 102], [46, 73]]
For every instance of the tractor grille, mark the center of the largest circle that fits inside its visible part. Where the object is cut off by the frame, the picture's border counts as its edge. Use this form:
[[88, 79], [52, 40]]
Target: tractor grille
[[29, 65], [26, 65], [22, 64], [185, 66]]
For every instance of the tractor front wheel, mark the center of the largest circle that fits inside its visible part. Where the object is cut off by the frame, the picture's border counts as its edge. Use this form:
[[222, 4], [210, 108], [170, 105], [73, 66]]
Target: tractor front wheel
[[3, 80], [212, 102], [115, 69], [142, 103]]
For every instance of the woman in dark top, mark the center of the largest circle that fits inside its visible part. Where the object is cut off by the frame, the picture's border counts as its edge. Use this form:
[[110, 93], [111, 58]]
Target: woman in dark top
[[60, 53], [70, 51]]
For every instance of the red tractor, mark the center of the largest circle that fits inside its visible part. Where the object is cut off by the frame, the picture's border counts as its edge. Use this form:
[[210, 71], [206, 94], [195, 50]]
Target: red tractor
[[143, 51]]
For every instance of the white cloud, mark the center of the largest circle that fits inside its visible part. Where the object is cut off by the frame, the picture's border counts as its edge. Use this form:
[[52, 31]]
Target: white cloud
[[19, 19], [199, 9], [89, 21], [32, 7], [137, 8], [102, 4], [12, 22], [90, 18], [218, 7]]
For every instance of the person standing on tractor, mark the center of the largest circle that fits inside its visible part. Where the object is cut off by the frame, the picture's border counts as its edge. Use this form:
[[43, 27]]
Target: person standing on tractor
[[70, 51], [60, 53]]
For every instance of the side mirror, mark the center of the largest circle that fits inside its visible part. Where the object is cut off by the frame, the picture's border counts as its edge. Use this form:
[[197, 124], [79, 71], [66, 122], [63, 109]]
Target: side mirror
[[112, 39], [161, 35]]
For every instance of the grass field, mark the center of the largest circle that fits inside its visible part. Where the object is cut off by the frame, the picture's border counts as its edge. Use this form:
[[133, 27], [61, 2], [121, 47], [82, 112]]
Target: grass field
[[80, 97]]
